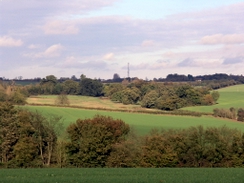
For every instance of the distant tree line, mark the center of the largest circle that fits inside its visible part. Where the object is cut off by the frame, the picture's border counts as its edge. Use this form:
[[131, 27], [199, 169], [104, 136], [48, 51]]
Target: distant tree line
[[52, 86], [165, 96], [29, 139]]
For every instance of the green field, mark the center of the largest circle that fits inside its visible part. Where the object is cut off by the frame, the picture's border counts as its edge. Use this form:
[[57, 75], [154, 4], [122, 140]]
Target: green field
[[142, 123], [137, 175], [232, 96], [229, 97]]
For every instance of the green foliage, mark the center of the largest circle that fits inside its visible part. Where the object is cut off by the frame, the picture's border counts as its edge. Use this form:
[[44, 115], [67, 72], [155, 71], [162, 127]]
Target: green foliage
[[70, 87], [215, 95], [169, 103], [8, 131], [91, 140], [62, 99], [225, 113], [110, 89], [240, 115], [90, 87], [3, 95], [158, 152], [130, 96], [149, 100], [26, 139], [17, 97], [126, 154]]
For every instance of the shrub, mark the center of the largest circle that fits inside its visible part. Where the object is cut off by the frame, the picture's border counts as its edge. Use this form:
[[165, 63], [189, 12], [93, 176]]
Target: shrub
[[91, 140]]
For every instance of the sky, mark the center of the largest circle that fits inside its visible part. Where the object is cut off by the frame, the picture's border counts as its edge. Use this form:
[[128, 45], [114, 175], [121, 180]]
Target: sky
[[99, 38]]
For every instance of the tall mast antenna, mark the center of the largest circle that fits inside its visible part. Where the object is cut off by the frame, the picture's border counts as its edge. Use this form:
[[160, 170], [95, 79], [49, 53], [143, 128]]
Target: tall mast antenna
[[128, 71]]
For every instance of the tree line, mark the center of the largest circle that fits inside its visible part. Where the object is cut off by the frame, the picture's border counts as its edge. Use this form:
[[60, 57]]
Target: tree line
[[164, 96], [29, 139]]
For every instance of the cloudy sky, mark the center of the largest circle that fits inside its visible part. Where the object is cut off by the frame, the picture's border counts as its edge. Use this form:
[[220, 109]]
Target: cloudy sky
[[100, 37]]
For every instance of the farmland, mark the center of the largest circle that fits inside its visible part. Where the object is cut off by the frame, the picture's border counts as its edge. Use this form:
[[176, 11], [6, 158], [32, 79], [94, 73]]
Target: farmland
[[232, 96], [142, 123], [118, 175], [83, 101]]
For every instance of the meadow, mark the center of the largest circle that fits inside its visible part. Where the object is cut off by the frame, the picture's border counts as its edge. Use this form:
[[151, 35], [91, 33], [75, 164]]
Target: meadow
[[142, 123], [83, 102], [232, 96]]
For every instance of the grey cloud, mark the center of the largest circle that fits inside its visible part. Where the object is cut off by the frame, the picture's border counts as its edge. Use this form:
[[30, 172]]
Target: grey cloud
[[25, 12], [235, 60], [188, 62]]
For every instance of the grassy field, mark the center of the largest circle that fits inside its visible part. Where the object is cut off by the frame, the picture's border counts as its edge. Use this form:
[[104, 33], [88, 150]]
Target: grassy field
[[232, 96], [229, 97], [139, 175], [83, 101], [142, 123]]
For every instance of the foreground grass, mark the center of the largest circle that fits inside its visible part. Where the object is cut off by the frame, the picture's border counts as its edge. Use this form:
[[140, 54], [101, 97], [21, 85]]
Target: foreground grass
[[136, 175], [142, 123]]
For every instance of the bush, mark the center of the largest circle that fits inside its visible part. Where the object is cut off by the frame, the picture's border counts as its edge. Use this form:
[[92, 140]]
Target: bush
[[225, 113], [91, 140], [62, 99], [240, 115]]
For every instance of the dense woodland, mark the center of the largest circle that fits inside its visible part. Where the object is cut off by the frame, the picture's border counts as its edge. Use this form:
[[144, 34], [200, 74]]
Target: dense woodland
[[29, 139]]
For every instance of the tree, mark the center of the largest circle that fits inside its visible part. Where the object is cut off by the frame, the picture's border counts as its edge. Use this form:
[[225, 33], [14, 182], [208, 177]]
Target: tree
[[70, 87], [149, 100], [3, 95], [130, 96], [157, 151], [90, 140], [16, 97], [116, 78], [46, 131], [62, 99], [8, 131], [48, 84], [215, 96], [73, 77], [126, 154], [240, 115], [90, 87]]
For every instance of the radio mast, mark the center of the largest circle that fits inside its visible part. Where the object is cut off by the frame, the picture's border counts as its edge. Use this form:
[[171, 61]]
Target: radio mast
[[128, 71]]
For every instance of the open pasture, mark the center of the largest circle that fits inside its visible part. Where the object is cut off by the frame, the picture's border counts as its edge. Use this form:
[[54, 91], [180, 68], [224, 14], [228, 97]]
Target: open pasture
[[232, 96], [83, 101], [119, 175], [142, 123]]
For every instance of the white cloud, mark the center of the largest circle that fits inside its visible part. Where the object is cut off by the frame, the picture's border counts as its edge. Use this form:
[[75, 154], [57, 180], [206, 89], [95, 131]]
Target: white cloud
[[147, 43], [7, 41], [50, 52], [60, 27], [33, 46], [108, 56], [223, 39]]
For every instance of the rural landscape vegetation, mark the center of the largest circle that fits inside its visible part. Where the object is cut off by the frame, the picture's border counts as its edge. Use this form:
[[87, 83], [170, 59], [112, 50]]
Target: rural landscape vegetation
[[174, 122]]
